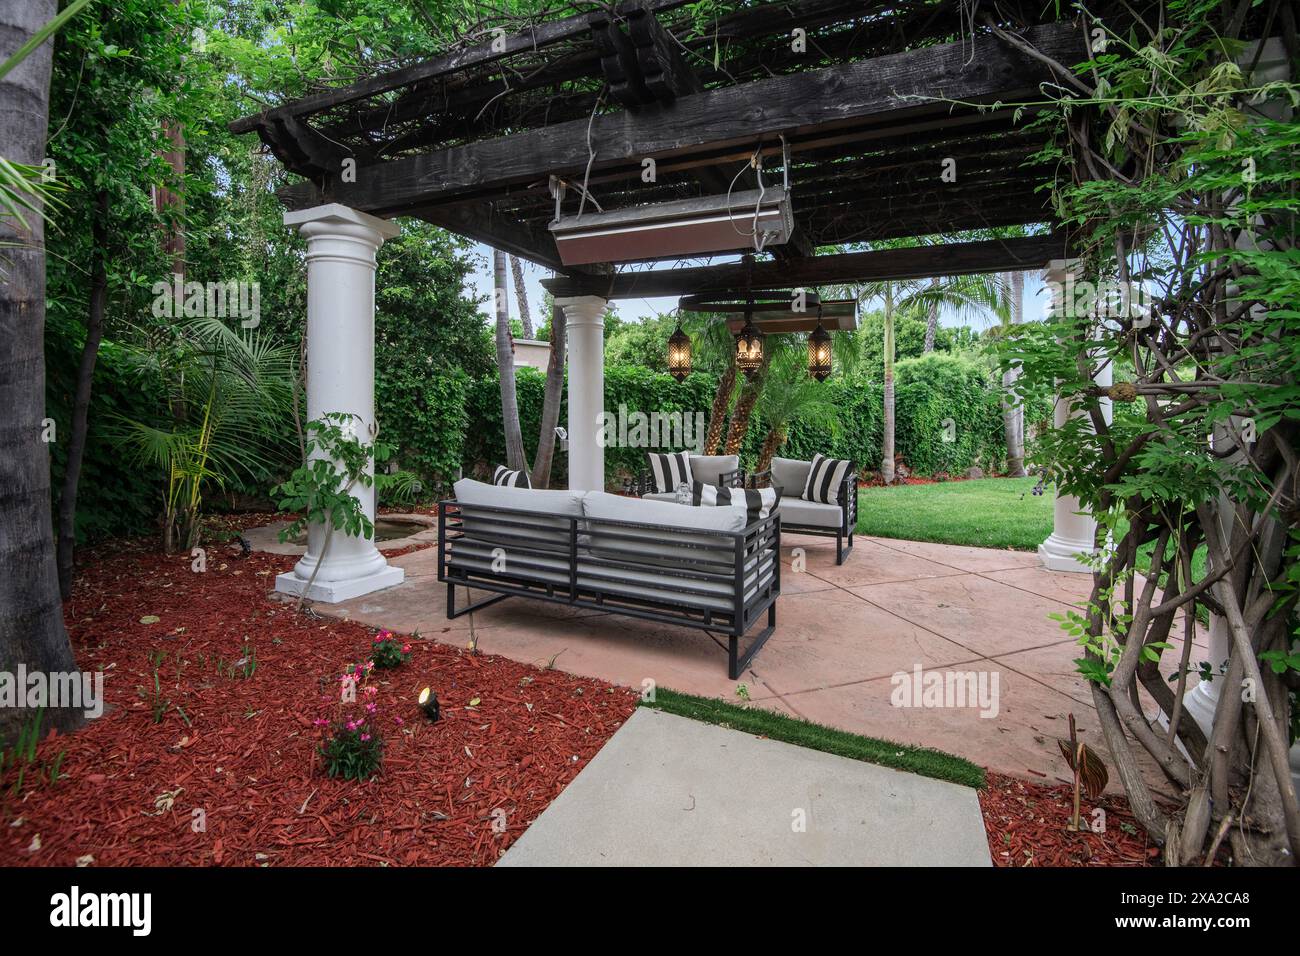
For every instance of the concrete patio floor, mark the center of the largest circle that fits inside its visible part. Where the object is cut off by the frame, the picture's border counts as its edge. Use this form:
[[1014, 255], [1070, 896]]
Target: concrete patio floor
[[842, 633], [665, 791]]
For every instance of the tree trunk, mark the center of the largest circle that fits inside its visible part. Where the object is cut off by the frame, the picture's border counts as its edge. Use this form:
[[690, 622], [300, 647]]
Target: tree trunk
[[81, 403], [541, 477], [32, 632], [741, 414], [887, 436], [718, 413], [1013, 416], [506, 368], [771, 445], [521, 293], [932, 318]]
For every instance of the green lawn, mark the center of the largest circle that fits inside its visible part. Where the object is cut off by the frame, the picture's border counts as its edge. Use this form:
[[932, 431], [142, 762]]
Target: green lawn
[[986, 513]]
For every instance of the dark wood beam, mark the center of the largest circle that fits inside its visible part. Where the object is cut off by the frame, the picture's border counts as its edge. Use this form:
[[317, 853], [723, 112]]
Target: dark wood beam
[[890, 88], [918, 262], [477, 221], [544, 34]]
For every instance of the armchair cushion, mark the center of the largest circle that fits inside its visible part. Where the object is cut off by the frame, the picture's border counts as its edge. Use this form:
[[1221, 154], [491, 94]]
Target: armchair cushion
[[824, 478], [816, 514], [669, 470], [511, 479], [790, 475], [710, 468], [756, 503]]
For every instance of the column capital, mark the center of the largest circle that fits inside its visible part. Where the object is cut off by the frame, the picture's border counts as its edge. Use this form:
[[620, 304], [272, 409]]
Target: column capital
[[583, 309], [337, 214]]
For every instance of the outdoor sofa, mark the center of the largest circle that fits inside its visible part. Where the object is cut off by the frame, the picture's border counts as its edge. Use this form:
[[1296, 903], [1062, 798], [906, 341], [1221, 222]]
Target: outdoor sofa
[[707, 568], [837, 521]]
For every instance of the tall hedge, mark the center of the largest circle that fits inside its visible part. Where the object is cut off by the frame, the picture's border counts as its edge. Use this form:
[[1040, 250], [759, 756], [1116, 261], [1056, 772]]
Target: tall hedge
[[113, 499], [635, 388], [929, 391]]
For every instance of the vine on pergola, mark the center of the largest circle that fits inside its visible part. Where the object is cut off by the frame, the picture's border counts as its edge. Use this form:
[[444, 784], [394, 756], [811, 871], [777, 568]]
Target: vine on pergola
[[1177, 160]]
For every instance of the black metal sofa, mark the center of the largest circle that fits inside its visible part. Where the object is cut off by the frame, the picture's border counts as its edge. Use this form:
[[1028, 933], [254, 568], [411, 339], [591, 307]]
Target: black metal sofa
[[684, 567]]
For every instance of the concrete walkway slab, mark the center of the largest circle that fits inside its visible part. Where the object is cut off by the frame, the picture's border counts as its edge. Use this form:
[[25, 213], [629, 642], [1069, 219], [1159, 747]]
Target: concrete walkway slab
[[668, 791]]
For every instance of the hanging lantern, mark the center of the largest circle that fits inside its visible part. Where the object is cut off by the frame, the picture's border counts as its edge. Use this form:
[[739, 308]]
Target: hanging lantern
[[819, 351], [749, 348], [679, 354]]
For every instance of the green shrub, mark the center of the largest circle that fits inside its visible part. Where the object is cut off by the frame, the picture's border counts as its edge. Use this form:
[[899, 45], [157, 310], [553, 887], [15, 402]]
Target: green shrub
[[112, 500], [935, 388]]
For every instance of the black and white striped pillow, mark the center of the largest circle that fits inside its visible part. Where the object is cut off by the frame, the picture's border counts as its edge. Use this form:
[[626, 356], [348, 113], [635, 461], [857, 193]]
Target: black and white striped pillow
[[824, 479], [757, 502], [511, 479], [670, 470]]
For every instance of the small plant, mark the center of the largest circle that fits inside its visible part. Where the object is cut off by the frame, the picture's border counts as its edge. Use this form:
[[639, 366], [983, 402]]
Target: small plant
[[388, 652], [158, 704], [23, 757], [351, 746]]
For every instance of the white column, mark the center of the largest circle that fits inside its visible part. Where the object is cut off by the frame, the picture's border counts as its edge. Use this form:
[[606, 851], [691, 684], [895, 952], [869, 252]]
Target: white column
[[584, 317], [1073, 528], [341, 245]]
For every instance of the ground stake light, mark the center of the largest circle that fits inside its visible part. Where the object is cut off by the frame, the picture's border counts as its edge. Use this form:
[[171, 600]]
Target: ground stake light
[[429, 704], [819, 352], [679, 354]]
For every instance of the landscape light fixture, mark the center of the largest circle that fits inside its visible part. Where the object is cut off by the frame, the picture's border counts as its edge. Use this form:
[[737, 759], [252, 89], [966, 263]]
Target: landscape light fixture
[[429, 704], [819, 351], [676, 229], [679, 354]]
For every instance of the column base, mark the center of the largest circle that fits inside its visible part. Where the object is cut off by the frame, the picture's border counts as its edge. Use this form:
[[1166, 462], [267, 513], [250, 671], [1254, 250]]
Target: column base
[[1059, 554], [334, 592]]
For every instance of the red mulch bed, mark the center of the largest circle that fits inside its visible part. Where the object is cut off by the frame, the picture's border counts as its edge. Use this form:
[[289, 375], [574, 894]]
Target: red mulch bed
[[1026, 825], [455, 792]]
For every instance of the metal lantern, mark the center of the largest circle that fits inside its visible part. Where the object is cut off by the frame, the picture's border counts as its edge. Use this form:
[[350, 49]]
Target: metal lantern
[[819, 352], [679, 354], [749, 347]]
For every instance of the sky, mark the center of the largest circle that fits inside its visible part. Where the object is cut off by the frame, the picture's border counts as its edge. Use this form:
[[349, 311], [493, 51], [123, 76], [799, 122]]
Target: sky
[[480, 282]]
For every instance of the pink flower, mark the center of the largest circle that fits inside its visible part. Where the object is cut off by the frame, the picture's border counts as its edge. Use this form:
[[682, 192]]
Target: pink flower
[[365, 737], [371, 708], [398, 721], [320, 722], [406, 648]]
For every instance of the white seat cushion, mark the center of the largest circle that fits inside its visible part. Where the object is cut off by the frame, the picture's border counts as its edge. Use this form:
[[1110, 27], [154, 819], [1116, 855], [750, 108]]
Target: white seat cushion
[[814, 513]]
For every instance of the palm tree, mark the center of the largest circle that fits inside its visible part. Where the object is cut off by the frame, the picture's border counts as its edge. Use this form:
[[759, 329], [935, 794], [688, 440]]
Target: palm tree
[[1013, 415], [521, 296], [789, 394], [32, 631], [228, 391], [515, 458], [969, 296], [713, 344]]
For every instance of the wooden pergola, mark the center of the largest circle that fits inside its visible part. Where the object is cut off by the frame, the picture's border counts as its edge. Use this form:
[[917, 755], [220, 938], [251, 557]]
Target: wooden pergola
[[888, 120]]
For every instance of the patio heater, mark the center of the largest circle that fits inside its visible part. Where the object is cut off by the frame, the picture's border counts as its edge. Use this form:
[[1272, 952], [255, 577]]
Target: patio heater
[[677, 229]]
